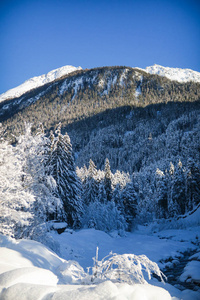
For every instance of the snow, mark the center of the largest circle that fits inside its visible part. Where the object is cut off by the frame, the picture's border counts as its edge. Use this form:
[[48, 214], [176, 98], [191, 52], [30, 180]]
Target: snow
[[59, 225], [107, 84], [37, 82], [77, 84], [123, 77], [177, 74], [138, 91], [29, 270], [81, 245], [196, 256], [38, 273], [191, 272], [28, 275]]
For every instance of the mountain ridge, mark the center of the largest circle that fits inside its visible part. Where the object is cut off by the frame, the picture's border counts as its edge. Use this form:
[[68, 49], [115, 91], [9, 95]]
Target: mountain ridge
[[176, 74]]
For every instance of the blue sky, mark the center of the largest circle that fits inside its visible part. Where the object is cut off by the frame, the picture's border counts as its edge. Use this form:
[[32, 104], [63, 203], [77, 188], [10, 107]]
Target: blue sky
[[38, 36]]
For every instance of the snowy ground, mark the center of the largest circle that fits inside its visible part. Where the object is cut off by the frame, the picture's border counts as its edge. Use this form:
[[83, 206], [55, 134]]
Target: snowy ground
[[29, 270]]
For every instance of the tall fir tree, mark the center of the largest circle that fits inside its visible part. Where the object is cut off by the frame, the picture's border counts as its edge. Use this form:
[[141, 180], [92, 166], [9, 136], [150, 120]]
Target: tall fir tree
[[192, 183], [161, 194], [129, 198], [108, 180], [90, 185], [179, 191], [62, 168]]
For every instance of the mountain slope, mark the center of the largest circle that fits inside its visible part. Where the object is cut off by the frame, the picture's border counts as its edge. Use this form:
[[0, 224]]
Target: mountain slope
[[38, 81], [132, 117]]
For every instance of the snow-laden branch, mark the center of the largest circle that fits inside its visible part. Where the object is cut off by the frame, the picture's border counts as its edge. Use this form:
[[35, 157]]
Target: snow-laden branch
[[128, 268]]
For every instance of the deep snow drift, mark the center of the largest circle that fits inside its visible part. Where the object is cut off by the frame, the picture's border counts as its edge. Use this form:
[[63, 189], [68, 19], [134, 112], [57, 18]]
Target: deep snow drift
[[29, 270]]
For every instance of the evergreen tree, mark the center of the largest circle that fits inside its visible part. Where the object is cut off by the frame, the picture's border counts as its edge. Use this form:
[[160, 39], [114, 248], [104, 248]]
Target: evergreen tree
[[129, 198], [102, 197], [62, 168], [16, 202], [193, 183], [90, 185], [108, 180], [161, 194], [179, 191], [117, 198]]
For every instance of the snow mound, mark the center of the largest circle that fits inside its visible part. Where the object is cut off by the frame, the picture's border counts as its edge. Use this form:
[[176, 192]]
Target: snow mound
[[177, 74], [103, 291], [37, 81], [24, 291], [28, 275], [191, 272]]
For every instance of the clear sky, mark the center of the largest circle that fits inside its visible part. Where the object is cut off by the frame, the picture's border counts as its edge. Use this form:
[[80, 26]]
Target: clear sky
[[38, 36]]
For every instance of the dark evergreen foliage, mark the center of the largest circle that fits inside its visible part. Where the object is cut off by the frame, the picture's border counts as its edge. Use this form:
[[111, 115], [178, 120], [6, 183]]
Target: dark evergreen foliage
[[61, 167]]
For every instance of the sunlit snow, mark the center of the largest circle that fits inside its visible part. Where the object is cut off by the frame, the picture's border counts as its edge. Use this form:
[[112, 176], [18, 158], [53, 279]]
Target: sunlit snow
[[178, 74], [29, 270], [37, 82]]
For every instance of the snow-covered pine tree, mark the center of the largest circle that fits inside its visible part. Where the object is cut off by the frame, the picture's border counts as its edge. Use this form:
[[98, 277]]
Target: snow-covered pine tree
[[129, 198], [161, 194], [102, 197], [108, 180], [16, 201], [192, 183], [34, 151], [90, 185], [47, 203], [62, 169], [117, 199], [179, 191], [172, 207]]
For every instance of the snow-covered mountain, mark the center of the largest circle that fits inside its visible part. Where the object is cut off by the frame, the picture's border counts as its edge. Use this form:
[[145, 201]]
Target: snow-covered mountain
[[180, 75], [37, 81]]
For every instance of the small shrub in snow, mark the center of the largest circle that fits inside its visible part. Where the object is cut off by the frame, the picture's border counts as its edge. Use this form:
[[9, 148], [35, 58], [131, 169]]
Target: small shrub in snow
[[127, 268]]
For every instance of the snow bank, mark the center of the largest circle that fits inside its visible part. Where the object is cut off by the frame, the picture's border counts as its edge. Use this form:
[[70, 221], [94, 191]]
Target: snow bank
[[191, 272]]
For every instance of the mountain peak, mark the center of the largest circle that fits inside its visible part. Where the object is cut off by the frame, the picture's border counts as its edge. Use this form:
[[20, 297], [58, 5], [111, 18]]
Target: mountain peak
[[37, 81], [177, 74]]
